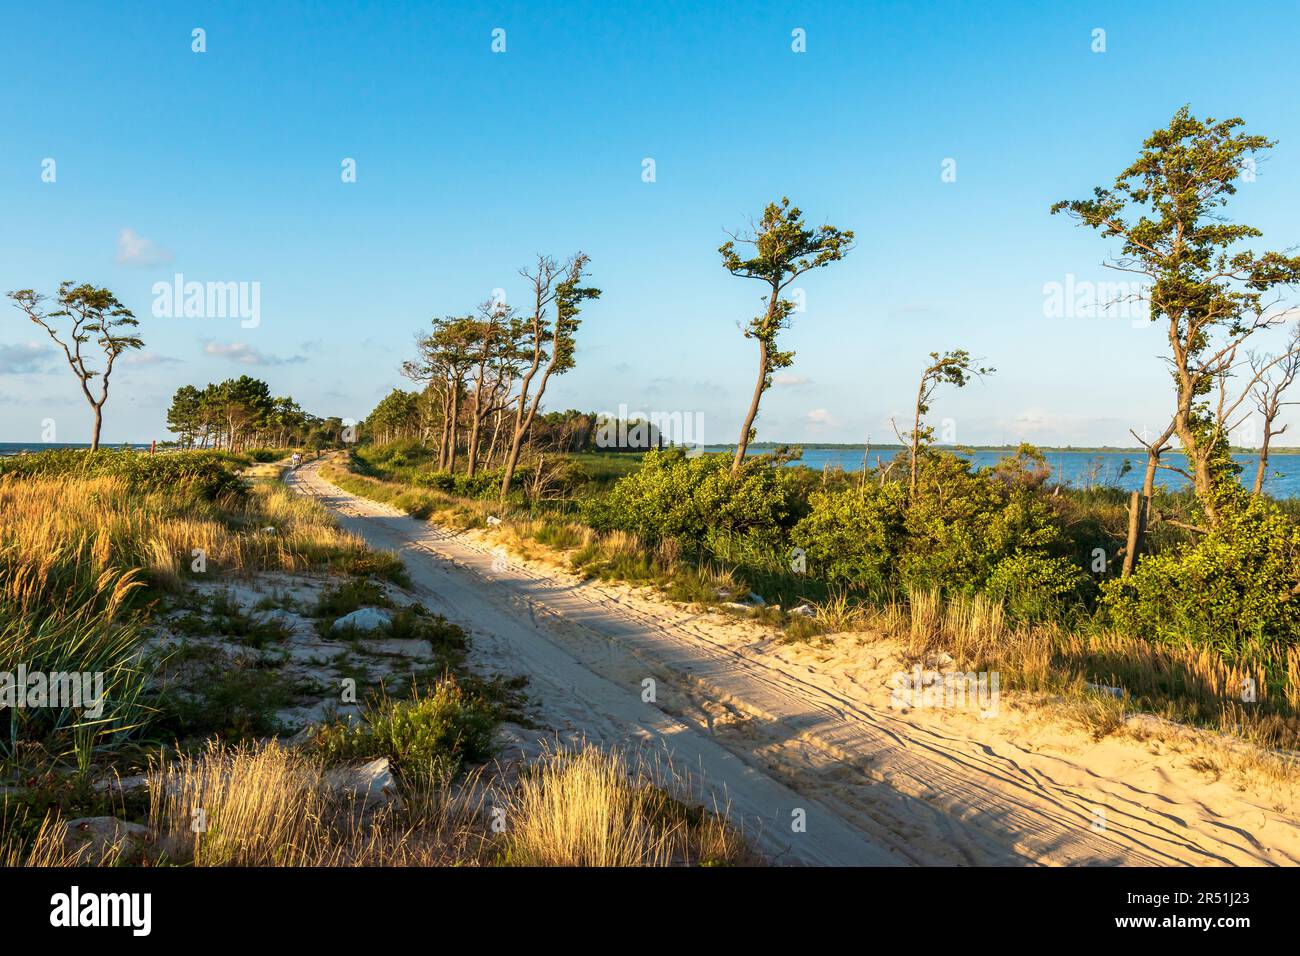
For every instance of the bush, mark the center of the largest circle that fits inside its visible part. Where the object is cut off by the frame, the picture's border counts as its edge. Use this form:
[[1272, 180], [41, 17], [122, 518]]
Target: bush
[[674, 496], [430, 736], [964, 531], [1234, 590], [1034, 586], [854, 537], [963, 523]]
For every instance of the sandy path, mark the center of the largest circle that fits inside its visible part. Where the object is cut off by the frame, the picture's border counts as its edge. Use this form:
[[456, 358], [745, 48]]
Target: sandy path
[[776, 731]]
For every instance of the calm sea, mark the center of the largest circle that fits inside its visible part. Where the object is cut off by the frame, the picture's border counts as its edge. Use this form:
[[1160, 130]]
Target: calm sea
[[1075, 468], [17, 447], [1084, 468]]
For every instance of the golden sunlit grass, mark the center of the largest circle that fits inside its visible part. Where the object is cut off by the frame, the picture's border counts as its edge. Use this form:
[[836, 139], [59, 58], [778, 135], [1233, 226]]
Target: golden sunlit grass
[[250, 806], [270, 805], [78, 549], [592, 808], [54, 529]]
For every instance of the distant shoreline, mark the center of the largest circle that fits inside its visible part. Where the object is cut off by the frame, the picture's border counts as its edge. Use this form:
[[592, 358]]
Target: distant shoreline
[[1046, 449], [9, 447]]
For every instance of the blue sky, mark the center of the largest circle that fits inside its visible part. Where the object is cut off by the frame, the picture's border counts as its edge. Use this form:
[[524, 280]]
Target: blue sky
[[225, 166]]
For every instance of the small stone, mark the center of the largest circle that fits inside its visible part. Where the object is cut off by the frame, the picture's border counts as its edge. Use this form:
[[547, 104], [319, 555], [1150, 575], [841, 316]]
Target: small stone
[[371, 783], [366, 619]]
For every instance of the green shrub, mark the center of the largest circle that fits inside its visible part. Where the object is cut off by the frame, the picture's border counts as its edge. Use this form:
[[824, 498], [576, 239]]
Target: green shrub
[[676, 496], [1234, 590], [1034, 586], [964, 531], [962, 523], [854, 537], [430, 736]]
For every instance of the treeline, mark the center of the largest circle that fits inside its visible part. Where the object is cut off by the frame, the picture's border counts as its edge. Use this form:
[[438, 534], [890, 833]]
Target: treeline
[[482, 377], [420, 416], [241, 413]]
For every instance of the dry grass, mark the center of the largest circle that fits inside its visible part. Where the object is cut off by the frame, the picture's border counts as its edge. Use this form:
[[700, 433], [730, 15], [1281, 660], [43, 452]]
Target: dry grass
[[1178, 683], [56, 529], [251, 806], [269, 805], [591, 808]]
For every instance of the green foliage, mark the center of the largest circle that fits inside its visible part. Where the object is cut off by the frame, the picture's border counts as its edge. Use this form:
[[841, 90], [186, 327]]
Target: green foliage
[[963, 531], [853, 537], [429, 736], [349, 596], [1234, 590], [74, 638], [1034, 586], [684, 498]]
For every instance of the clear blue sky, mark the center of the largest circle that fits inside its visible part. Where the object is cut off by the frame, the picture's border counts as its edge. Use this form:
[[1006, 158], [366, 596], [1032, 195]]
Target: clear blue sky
[[225, 166]]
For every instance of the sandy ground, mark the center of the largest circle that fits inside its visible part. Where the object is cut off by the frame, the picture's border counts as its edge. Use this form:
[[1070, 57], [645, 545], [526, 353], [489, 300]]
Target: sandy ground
[[792, 734]]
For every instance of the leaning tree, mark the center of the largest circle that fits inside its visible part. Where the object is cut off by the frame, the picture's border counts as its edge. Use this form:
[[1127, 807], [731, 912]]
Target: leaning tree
[[1210, 293], [85, 315], [784, 249]]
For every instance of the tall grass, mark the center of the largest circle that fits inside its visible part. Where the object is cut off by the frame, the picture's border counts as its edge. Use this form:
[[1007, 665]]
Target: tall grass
[[592, 808], [269, 805], [84, 539], [251, 806]]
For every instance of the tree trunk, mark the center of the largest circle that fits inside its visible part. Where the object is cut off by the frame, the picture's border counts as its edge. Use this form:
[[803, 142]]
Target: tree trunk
[[1139, 513], [99, 422], [442, 438], [1263, 460], [471, 461], [743, 445], [915, 451], [455, 415]]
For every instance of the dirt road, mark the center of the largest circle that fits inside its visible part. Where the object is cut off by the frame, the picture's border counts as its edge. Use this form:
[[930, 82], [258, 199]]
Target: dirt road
[[807, 758]]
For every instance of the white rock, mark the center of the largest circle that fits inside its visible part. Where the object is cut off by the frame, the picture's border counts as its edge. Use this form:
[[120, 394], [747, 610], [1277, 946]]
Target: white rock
[[493, 520], [372, 783], [755, 598], [1103, 689], [268, 531], [365, 619], [735, 606], [804, 610]]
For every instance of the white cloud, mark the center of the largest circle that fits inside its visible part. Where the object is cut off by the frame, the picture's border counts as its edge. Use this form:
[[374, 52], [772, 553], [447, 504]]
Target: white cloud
[[134, 249], [246, 354], [147, 358], [820, 417], [24, 357], [1030, 421], [789, 378]]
